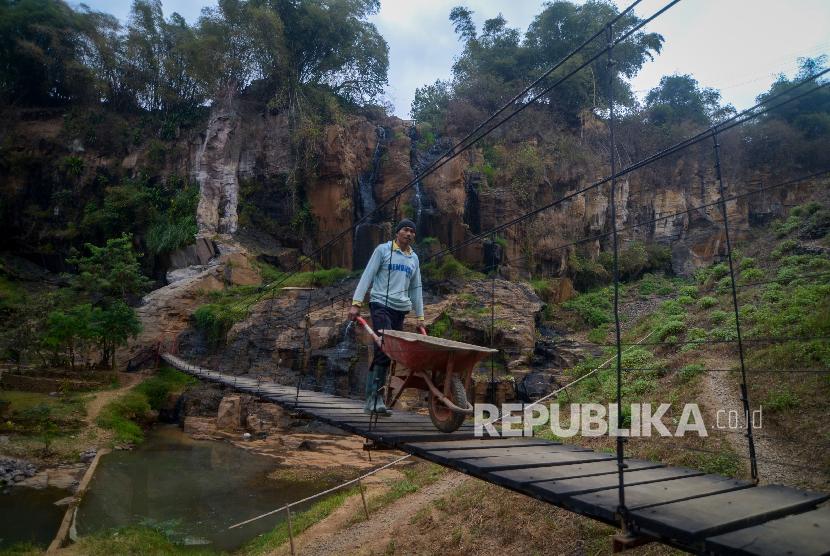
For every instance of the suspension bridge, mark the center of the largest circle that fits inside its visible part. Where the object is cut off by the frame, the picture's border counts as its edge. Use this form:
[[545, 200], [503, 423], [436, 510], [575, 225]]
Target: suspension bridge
[[685, 508], [649, 501]]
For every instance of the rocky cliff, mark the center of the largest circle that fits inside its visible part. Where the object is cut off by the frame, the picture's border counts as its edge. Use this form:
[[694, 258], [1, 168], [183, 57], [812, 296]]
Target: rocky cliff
[[359, 163]]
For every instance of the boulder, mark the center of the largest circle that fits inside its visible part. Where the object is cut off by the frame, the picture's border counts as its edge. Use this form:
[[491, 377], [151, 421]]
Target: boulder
[[238, 270], [230, 416]]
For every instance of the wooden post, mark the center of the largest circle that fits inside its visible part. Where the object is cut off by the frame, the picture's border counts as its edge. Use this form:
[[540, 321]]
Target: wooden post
[[290, 534], [363, 497]]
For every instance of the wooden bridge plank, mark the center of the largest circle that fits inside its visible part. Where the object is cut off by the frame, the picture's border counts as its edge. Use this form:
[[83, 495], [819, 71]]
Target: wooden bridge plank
[[483, 443], [806, 534], [517, 477], [676, 505], [560, 488], [500, 463], [692, 520], [603, 504], [516, 452]]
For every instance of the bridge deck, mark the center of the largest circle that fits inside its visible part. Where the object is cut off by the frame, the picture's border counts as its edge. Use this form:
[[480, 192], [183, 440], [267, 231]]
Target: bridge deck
[[689, 509]]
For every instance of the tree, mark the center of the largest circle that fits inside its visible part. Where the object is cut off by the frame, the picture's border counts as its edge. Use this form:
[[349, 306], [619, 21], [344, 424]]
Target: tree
[[41, 53], [69, 331], [680, 98], [111, 327], [430, 103], [562, 26], [110, 273]]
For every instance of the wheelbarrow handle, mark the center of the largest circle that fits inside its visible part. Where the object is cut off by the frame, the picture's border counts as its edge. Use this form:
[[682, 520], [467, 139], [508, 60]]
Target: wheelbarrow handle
[[368, 328]]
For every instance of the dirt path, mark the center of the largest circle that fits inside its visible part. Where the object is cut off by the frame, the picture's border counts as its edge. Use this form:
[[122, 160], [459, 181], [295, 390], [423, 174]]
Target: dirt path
[[100, 399], [721, 392], [334, 536]]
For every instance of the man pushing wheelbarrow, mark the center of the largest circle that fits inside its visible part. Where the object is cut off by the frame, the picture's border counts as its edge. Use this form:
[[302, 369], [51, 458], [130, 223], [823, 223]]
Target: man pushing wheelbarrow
[[394, 273], [442, 368]]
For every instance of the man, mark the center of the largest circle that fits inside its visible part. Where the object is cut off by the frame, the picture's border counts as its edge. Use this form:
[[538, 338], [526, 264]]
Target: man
[[394, 273]]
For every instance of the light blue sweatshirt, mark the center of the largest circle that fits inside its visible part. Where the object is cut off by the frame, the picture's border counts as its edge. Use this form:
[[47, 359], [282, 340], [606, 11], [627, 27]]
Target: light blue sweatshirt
[[393, 272]]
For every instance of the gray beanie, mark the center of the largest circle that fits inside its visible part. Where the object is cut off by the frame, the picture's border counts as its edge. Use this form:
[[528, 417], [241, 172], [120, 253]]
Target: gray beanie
[[405, 223]]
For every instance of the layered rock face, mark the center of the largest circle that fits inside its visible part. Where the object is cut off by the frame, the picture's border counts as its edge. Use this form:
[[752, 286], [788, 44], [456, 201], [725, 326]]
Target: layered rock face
[[360, 164]]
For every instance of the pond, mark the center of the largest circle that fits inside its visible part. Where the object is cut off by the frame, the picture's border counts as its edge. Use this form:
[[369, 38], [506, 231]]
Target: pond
[[29, 515], [191, 489]]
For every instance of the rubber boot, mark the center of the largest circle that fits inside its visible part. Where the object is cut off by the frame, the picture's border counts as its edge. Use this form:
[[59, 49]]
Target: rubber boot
[[371, 378], [374, 398], [379, 406]]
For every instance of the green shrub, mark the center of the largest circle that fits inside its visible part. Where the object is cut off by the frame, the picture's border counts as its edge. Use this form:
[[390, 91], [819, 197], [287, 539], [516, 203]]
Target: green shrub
[[781, 399], [670, 328], [772, 293], [690, 291], [693, 338], [724, 333], [120, 416], [725, 463], [785, 228], [598, 335], [673, 308], [688, 372], [316, 278], [441, 327], [784, 247], [746, 263], [586, 273], [157, 388], [719, 271], [685, 299], [817, 225], [706, 302], [751, 275], [215, 321], [718, 317], [654, 284], [449, 268], [123, 415], [724, 285], [595, 308], [787, 274], [637, 358]]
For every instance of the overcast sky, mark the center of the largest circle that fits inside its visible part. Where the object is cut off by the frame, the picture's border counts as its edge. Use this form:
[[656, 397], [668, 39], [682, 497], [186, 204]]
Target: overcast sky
[[735, 46]]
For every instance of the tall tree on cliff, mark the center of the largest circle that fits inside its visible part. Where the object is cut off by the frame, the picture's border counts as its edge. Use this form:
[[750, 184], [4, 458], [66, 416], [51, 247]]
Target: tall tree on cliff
[[41, 50], [293, 45], [497, 62]]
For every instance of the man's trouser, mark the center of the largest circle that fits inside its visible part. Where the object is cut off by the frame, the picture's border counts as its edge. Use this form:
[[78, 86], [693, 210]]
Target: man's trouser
[[383, 318]]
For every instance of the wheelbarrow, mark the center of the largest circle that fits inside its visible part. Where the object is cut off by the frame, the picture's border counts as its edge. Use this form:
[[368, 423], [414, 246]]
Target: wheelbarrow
[[443, 368]]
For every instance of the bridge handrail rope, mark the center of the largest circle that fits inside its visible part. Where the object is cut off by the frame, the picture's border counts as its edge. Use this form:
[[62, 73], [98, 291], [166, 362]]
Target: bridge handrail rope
[[747, 115], [751, 113], [345, 292], [731, 122], [323, 493]]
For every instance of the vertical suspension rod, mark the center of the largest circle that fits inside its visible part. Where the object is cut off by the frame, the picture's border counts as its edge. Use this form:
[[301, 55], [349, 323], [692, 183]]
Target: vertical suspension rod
[[621, 509], [306, 336], [753, 463]]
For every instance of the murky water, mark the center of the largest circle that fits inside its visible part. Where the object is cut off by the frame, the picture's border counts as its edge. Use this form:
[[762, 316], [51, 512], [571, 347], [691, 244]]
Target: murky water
[[192, 489], [29, 515]]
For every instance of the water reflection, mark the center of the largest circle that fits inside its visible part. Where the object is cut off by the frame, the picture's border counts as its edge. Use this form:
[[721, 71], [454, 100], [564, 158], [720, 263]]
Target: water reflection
[[192, 489]]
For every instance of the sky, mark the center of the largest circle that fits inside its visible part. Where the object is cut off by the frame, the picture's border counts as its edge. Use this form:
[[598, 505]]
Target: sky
[[736, 46]]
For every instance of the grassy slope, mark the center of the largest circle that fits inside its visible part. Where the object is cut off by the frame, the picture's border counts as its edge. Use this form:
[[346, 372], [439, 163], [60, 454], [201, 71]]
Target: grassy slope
[[783, 279]]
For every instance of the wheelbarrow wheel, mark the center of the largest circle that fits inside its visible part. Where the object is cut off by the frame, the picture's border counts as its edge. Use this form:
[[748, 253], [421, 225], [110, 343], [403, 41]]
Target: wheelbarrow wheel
[[445, 419]]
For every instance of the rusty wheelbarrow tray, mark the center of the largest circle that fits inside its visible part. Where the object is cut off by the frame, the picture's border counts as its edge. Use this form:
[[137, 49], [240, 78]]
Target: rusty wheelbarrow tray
[[443, 368]]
